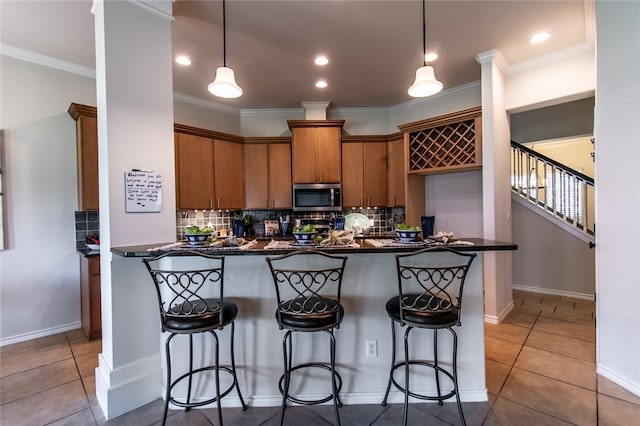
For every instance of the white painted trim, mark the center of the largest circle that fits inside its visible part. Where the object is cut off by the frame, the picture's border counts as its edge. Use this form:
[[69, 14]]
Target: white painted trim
[[152, 7], [542, 290], [353, 398], [46, 61], [551, 218], [629, 385], [445, 92], [271, 111], [114, 388], [498, 319], [40, 333], [205, 103], [558, 55]]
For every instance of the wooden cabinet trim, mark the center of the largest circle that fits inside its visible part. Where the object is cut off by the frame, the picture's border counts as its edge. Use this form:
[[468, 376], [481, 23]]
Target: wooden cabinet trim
[[212, 134], [315, 123], [267, 140], [453, 117]]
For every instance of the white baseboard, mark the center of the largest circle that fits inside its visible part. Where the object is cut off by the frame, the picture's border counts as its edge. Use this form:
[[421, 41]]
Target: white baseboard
[[629, 385], [357, 398], [40, 333], [498, 319], [541, 290]]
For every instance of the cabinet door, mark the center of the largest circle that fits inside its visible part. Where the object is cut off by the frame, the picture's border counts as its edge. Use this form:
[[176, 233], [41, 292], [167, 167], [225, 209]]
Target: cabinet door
[[228, 175], [328, 156], [396, 173], [90, 307], [375, 174], [256, 174], [352, 175], [194, 172], [280, 176], [304, 151], [87, 145]]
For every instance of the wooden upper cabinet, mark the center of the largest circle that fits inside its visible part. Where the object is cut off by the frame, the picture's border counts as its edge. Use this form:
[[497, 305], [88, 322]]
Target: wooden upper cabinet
[[87, 155], [364, 174], [267, 175], [316, 153], [228, 175], [352, 175], [280, 176], [256, 166], [396, 172], [194, 172]]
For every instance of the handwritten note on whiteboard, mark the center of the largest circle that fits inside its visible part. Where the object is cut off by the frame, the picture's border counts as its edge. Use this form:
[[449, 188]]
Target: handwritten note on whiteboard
[[142, 191]]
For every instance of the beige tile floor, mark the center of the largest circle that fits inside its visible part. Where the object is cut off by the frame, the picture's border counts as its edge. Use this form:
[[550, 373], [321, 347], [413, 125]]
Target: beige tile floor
[[540, 366]]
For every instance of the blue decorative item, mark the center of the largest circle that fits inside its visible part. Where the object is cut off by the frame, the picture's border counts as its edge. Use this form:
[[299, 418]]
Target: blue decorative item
[[237, 226], [427, 225]]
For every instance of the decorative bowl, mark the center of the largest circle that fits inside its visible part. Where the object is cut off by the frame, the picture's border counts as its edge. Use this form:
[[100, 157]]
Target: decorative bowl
[[93, 247], [305, 237], [407, 236], [197, 239]]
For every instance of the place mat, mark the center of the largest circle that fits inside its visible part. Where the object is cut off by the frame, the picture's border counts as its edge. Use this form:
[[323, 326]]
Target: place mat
[[184, 245], [281, 245], [389, 243]]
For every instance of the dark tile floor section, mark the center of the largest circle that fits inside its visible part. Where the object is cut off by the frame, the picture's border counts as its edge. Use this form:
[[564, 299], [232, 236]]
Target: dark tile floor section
[[540, 366]]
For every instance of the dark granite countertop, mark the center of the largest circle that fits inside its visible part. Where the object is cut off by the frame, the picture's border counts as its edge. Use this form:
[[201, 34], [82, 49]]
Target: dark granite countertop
[[363, 246]]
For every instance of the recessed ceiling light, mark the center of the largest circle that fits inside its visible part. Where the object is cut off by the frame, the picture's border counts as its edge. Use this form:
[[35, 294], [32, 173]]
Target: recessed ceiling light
[[540, 37], [321, 84], [430, 57], [321, 60], [183, 60]]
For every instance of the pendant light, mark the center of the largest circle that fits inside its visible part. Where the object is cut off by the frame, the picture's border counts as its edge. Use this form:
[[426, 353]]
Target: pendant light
[[224, 85], [426, 83]]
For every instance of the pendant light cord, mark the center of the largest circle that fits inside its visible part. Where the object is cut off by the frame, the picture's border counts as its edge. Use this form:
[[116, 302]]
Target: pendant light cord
[[224, 34], [424, 35]]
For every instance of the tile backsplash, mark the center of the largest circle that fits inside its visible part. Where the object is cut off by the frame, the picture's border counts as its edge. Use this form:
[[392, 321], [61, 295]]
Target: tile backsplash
[[87, 223], [384, 220]]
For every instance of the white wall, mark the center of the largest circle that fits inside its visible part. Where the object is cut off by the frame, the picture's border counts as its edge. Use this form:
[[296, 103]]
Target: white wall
[[617, 204], [549, 259], [456, 197], [39, 268]]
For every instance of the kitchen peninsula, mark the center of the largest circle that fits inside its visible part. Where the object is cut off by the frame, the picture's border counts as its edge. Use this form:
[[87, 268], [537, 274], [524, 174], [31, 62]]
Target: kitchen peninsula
[[369, 280]]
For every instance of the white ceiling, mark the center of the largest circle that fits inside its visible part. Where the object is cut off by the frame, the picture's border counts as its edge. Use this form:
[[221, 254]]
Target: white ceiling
[[374, 47]]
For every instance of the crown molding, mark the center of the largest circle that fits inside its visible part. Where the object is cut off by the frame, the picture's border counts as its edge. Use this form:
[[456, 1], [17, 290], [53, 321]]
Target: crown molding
[[177, 96], [446, 92], [270, 111], [558, 55], [46, 61]]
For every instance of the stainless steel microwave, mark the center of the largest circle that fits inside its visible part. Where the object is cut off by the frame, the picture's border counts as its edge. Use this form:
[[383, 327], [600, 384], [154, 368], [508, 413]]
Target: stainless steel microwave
[[319, 197]]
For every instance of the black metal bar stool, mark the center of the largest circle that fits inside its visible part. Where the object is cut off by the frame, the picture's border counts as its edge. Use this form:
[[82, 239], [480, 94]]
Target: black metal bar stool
[[308, 285], [191, 301], [430, 288]]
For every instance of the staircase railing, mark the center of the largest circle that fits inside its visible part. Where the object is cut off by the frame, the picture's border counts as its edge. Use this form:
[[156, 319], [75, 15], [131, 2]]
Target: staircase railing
[[553, 187]]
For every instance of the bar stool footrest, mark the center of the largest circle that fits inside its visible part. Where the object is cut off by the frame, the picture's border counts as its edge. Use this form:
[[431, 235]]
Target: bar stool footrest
[[441, 398], [316, 401], [190, 405]]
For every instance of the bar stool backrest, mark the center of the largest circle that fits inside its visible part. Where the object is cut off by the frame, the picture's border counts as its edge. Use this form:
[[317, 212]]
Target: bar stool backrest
[[431, 281], [308, 283], [189, 286]]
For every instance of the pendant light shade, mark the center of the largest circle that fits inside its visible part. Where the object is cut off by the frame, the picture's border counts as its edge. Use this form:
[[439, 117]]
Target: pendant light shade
[[224, 85], [425, 83]]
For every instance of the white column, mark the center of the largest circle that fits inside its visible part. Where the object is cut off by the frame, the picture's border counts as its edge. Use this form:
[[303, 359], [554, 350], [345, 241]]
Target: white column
[[135, 131], [617, 175], [496, 191]]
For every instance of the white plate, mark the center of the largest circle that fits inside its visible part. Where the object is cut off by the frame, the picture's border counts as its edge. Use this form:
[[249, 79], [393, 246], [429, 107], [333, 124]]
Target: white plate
[[352, 218], [93, 246]]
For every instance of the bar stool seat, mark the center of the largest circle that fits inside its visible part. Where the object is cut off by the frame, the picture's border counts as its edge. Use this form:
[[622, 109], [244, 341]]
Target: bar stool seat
[[185, 309], [430, 284], [308, 285]]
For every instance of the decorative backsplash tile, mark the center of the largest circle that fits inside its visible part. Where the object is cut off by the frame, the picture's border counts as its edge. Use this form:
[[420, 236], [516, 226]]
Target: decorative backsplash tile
[[384, 219], [87, 223]]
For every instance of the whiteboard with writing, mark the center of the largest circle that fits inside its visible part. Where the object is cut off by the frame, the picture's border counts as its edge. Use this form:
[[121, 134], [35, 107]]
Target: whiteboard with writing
[[142, 191]]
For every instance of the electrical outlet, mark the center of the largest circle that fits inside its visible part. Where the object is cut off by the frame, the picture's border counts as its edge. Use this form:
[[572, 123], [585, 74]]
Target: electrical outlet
[[372, 348], [446, 223]]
